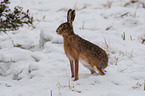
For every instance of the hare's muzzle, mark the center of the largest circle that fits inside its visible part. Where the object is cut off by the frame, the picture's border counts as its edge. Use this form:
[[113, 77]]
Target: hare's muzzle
[[57, 31]]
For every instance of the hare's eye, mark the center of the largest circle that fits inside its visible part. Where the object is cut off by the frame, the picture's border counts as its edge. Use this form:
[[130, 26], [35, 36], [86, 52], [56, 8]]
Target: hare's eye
[[65, 26]]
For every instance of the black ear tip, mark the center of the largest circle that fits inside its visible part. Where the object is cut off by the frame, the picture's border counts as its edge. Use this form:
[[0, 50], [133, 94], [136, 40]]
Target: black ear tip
[[73, 10], [69, 10]]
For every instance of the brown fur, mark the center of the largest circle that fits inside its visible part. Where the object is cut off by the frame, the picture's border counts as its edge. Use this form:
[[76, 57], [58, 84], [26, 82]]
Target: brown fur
[[77, 48]]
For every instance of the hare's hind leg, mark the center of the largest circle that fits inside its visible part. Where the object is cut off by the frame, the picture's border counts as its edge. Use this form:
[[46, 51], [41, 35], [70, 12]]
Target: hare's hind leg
[[100, 71], [87, 65], [72, 67], [91, 69]]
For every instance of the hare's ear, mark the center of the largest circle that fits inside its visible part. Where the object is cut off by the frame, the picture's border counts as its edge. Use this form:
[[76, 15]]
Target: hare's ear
[[72, 15], [69, 15]]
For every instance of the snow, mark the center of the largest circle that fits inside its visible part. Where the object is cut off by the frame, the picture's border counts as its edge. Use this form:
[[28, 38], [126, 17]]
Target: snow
[[40, 68]]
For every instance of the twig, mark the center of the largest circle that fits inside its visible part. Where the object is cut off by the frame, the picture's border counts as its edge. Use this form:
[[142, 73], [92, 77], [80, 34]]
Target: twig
[[51, 92], [123, 36], [9, 38], [124, 14], [144, 85]]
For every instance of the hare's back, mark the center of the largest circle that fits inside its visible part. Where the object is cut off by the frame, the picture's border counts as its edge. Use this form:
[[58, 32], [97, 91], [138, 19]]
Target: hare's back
[[92, 51], [87, 46]]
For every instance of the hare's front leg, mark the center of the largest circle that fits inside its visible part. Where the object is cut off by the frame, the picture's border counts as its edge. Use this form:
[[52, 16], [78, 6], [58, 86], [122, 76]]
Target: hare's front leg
[[72, 67], [76, 69]]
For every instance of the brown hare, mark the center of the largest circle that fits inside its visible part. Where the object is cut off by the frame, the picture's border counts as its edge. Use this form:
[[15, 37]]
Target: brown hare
[[76, 48]]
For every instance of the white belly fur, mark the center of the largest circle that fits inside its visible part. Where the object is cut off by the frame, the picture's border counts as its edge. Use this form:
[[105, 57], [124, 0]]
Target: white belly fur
[[86, 64]]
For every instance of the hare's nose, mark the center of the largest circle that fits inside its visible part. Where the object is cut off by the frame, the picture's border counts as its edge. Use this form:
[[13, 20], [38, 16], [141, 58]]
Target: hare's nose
[[56, 31]]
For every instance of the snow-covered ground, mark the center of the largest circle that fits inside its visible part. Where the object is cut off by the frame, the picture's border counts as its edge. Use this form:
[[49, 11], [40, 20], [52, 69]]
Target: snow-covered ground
[[45, 71]]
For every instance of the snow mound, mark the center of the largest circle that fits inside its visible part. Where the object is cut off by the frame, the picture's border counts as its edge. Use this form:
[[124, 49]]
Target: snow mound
[[17, 63]]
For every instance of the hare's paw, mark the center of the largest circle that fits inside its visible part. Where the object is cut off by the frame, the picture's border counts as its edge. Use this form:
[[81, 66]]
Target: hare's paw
[[76, 79], [72, 76]]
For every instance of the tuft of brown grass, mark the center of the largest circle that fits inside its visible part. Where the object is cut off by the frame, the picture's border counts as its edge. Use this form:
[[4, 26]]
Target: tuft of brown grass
[[108, 5], [71, 87], [143, 41]]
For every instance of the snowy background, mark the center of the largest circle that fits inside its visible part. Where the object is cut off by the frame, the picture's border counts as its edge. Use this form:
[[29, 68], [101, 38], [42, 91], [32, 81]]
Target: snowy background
[[40, 67]]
